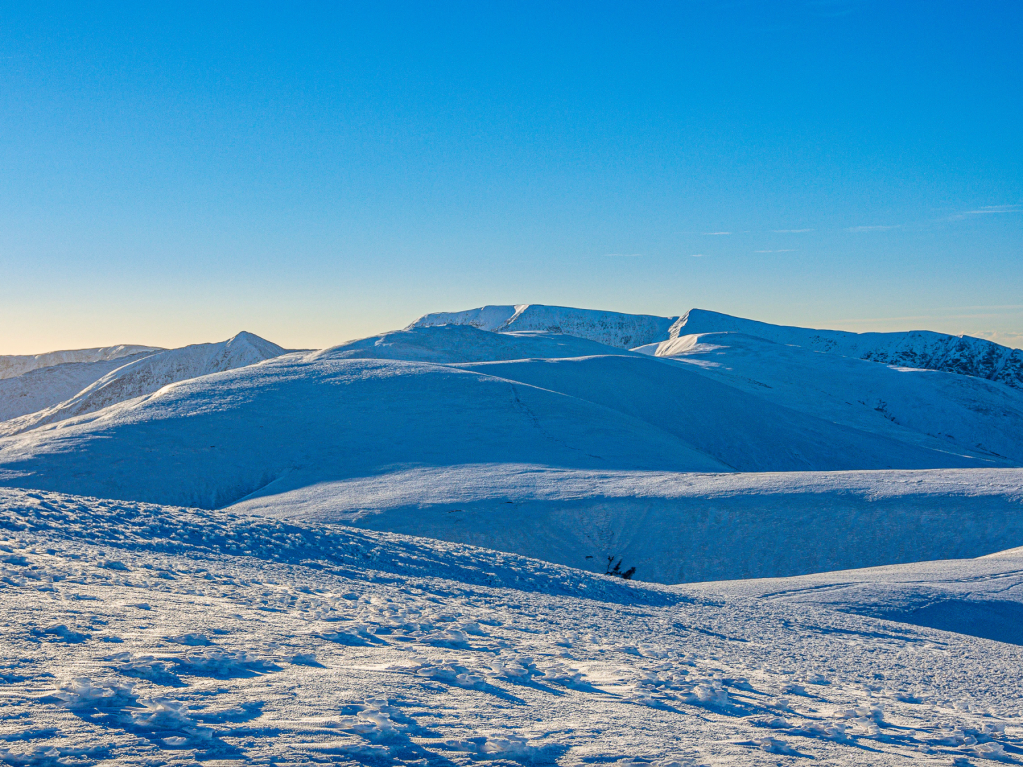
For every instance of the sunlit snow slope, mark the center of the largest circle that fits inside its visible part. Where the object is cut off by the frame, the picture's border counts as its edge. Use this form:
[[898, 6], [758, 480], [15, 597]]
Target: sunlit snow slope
[[146, 375], [48, 386], [611, 328], [16, 365], [558, 457], [926, 407], [920, 349]]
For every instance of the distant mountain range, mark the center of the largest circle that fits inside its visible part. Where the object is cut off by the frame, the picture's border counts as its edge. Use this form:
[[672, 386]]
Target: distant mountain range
[[565, 434], [964, 355]]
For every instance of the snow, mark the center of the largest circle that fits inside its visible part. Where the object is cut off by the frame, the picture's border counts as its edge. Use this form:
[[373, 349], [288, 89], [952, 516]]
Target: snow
[[148, 374], [612, 328], [407, 548], [48, 386], [962, 355], [926, 407], [16, 365], [550, 664], [916, 349], [676, 527], [302, 419]]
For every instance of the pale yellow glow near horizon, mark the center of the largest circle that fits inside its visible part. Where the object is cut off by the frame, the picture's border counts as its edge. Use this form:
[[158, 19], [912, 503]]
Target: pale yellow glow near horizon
[[39, 332]]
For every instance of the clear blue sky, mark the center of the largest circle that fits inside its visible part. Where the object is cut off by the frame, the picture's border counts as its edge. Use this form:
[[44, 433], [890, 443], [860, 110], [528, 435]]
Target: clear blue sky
[[174, 173]]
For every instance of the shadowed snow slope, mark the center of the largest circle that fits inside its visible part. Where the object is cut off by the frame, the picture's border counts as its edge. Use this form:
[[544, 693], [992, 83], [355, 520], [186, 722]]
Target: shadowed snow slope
[[918, 348], [676, 528], [148, 374], [925, 407], [611, 328], [44, 387], [302, 419], [16, 365]]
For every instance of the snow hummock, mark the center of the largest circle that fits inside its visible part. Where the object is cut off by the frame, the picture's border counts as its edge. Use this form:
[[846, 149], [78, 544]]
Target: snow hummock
[[16, 365]]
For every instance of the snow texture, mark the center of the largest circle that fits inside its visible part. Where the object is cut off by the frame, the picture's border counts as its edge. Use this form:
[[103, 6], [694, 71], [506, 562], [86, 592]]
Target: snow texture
[[221, 638]]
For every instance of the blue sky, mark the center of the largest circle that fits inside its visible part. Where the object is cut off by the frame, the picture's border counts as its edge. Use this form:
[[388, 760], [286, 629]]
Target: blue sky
[[174, 173]]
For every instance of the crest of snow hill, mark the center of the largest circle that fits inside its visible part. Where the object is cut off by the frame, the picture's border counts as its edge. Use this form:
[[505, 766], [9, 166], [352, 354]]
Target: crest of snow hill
[[600, 430]]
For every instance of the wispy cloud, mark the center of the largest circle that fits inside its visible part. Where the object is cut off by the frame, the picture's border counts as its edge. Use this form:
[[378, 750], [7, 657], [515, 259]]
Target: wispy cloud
[[791, 231], [715, 234], [623, 255], [875, 228], [696, 255], [783, 250], [987, 210]]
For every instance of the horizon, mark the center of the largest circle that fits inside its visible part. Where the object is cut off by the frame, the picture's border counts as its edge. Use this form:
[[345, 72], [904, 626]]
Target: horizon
[[323, 173], [408, 326]]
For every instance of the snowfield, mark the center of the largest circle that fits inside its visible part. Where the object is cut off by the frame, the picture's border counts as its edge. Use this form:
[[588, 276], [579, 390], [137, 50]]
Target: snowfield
[[406, 549], [140, 634]]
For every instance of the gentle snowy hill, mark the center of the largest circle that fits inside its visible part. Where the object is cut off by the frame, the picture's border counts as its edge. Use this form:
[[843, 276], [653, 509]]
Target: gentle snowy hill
[[925, 407], [612, 328], [44, 387], [677, 528], [303, 419], [137, 634], [16, 365], [916, 349], [150, 373]]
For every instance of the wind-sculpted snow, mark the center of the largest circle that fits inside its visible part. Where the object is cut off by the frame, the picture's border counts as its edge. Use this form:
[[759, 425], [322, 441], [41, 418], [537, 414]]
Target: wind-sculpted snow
[[48, 386], [612, 328], [924, 349], [137, 634], [16, 365], [676, 528], [150, 373], [926, 407]]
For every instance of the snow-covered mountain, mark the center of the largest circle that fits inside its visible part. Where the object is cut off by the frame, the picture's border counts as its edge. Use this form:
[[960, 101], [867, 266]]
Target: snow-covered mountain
[[16, 365], [915, 349], [149, 373], [464, 342], [611, 328], [963, 355], [926, 407], [47, 386], [557, 457]]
